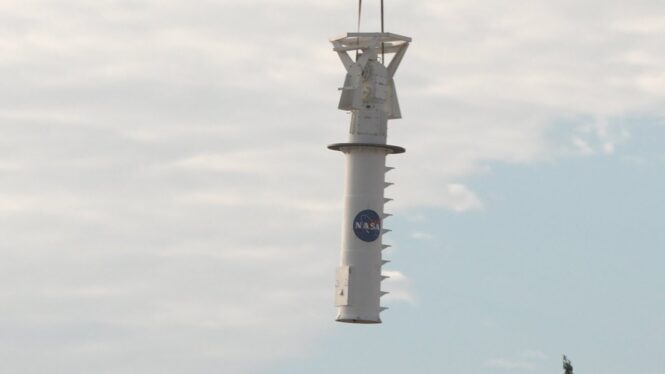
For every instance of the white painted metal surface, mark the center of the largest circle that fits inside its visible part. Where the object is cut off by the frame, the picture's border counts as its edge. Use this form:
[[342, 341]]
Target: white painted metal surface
[[369, 94]]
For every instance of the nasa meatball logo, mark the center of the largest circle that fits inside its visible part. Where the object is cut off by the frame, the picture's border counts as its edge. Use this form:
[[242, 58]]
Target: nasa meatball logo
[[367, 225]]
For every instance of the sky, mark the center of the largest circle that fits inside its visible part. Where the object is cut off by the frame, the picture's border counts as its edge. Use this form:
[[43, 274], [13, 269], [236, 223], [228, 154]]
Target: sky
[[168, 204]]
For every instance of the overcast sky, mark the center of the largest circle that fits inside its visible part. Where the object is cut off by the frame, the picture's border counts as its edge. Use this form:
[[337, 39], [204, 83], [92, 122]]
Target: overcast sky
[[167, 203]]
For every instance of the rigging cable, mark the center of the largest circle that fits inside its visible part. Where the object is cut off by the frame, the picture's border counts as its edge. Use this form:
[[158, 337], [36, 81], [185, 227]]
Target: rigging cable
[[383, 52], [360, 9]]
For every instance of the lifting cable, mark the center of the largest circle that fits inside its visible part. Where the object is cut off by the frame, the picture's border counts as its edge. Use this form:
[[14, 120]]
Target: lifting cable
[[383, 51], [360, 10]]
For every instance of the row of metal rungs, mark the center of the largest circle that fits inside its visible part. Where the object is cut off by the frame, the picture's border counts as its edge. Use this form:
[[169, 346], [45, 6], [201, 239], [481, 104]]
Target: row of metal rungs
[[385, 246]]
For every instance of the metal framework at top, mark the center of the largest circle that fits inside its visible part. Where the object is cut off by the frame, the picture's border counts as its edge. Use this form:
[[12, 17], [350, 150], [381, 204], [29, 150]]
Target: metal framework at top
[[351, 41]]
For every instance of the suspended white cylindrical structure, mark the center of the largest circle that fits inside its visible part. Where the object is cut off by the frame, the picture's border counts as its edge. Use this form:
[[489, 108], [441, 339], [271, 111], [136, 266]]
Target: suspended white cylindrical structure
[[369, 94]]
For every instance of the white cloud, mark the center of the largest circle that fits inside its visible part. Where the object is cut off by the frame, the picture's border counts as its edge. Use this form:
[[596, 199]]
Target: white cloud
[[400, 288], [419, 235], [581, 144], [503, 363], [527, 361], [463, 199], [599, 137]]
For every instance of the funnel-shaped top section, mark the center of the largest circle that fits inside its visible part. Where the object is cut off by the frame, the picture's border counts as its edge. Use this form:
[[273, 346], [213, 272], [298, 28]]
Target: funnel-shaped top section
[[370, 40], [369, 89]]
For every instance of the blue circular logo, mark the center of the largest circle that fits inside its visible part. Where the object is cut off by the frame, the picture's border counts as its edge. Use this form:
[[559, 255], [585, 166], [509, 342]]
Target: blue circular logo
[[367, 225]]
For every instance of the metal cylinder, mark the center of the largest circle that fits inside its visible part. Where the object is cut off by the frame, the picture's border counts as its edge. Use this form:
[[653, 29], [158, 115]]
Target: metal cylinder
[[369, 94], [362, 229]]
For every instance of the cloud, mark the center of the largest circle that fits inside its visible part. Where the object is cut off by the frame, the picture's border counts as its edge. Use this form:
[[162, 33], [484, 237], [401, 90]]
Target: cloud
[[527, 361], [399, 287], [582, 145], [463, 198], [502, 88], [534, 354], [419, 235], [502, 363], [599, 137], [454, 196]]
